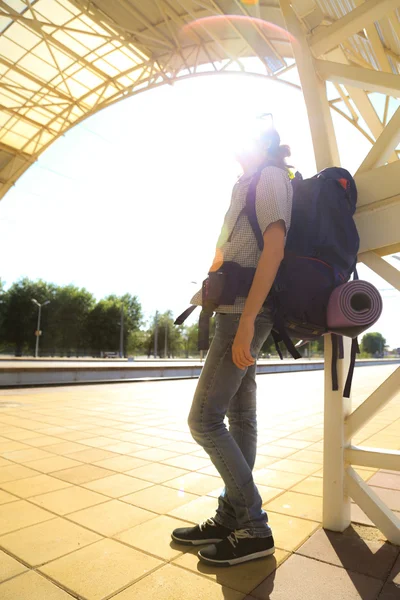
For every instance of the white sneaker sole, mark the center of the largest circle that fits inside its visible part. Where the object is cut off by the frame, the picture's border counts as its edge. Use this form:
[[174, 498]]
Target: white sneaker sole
[[196, 542], [236, 561]]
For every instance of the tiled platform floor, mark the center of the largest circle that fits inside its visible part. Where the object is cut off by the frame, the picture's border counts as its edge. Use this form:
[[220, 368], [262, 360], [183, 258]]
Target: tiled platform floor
[[93, 479]]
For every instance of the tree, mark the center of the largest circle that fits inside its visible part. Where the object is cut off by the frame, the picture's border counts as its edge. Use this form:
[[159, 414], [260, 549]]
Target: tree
[[373, 344], [21, 314], [165, 328], [67, 318], [104, 322]]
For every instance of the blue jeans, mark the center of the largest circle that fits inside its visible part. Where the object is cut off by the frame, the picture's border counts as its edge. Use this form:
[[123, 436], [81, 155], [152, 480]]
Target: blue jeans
[[225, 390]]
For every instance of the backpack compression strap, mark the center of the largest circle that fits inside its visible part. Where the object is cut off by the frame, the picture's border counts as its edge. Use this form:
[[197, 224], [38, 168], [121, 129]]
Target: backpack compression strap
[[182, 318]]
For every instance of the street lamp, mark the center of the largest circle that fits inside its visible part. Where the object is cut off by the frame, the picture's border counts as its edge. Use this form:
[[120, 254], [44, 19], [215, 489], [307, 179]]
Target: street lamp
[[38, 332]]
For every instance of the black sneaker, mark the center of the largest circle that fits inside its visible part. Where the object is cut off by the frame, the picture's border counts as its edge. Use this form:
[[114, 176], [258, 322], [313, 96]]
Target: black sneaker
[[237, 548], [208, 532]]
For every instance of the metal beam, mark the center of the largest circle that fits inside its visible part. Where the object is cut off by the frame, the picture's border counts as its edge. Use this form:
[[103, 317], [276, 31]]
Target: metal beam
[[373, 506], [378, 185], [361, 100], [387, 272], [370, 11], [378, 224], [384, 146], [373, 458], [366, 79], [375, 402]]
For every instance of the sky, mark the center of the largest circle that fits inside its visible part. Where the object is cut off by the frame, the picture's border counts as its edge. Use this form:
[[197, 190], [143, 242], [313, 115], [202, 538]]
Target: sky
[[133, 199]]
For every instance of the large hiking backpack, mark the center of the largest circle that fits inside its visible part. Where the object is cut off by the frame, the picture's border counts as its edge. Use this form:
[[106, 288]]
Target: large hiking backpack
[[320, 254]]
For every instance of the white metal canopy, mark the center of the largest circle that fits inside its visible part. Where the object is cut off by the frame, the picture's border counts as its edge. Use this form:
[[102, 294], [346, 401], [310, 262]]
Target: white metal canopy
[[63, 60]]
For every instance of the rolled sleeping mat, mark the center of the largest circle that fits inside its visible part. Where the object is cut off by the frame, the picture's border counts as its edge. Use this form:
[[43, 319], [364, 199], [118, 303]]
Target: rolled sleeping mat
[[353, 307]]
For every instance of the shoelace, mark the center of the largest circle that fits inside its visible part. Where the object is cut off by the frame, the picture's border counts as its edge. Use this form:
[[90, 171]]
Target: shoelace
[[237, 535], [210, 522]]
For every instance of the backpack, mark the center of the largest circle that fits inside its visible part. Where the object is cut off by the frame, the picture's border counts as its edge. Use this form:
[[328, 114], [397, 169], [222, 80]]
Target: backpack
[[320, 254]]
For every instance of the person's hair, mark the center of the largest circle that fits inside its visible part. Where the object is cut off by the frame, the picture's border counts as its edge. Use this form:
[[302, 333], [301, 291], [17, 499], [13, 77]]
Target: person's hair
[[275, 151], [278, 154]]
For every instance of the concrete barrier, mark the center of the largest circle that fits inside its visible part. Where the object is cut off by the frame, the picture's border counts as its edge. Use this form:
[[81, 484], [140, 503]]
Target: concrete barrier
[[31, 374]]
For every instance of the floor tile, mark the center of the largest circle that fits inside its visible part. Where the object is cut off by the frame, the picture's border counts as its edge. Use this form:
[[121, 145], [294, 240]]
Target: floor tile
[[25, 456], [32, 586], [314, 580], [16, 515], [157, 473], [309, 456], [14, 472], [296, 466], [351, 552], [289, 443], [264, 461], [311, 485], [112, 517], [242, 578], [211, 470], [101, 569], [390, 592], [121, 463], [154, 537], [159, 499], [154, 454], [197, 510], [6, 497], [395, 573], [68, 500], [189, 462], [195, 483], [297, 505], [117, 485], [97, 441], [173, 583], [91, 455], [51, 465], [9, 567], [7, 446], [181, 447], [82, 474], [43, 542], [307, 435], [279, 479], [42, 440], [390, 497], [290, 532], [276, 451], [121, 447], [385, 480], [32, 486], [65, 448], [359, 516]]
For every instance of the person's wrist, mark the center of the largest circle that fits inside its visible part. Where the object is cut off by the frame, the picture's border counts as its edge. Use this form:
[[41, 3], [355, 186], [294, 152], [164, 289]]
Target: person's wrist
[[248, 318]]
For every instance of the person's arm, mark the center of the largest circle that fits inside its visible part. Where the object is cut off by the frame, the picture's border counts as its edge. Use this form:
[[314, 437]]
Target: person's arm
[[267, 268]]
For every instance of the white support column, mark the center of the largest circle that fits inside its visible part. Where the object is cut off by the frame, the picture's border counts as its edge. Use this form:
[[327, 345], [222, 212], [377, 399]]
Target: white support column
[[314, 90], [373, 506], [336, 503], [336, 509]]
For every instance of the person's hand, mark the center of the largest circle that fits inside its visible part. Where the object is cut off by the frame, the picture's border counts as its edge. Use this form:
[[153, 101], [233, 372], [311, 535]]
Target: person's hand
[[241, 354]]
